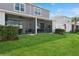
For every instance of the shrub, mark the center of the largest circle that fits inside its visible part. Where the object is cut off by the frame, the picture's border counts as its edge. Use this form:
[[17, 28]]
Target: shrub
[[59, 31], [8, 33]]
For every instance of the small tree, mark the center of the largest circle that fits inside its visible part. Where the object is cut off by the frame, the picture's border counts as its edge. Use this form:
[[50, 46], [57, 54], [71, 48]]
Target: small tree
[[8, 33], [75, 20]]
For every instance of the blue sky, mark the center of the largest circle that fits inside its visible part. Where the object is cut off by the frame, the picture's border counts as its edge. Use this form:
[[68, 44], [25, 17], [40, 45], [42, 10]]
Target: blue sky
[[65, 9]]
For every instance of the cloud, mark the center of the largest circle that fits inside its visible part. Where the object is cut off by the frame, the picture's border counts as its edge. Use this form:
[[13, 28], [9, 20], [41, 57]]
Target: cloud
[[75, 11], [59, 12], [51, 15], [66, 12], [53, 4]]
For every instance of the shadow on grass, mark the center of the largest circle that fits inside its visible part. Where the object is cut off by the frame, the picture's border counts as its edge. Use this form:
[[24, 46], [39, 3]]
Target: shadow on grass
[[28, 41]]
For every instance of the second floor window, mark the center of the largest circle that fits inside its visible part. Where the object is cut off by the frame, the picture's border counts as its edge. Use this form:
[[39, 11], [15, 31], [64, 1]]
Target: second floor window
[[37, 11], [19, 7]]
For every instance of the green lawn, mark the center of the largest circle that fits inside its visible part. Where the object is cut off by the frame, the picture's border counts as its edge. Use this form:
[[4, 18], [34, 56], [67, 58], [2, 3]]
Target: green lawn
[[42, 45]]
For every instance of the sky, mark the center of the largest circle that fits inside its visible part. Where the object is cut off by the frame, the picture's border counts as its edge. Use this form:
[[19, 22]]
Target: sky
[[64, 9]]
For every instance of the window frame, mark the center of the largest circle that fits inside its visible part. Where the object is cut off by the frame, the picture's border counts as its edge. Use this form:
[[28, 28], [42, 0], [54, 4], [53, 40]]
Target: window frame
[[19, 7], [36, 10]]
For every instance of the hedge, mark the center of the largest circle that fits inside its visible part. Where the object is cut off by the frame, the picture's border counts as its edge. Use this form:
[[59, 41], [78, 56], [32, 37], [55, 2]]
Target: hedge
[[59, 31], [8, 33]]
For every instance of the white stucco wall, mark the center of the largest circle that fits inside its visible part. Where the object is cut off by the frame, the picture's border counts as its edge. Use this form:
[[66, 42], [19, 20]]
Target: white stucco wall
[[57, 25], [2, 18], [68, 27], [58, 22]]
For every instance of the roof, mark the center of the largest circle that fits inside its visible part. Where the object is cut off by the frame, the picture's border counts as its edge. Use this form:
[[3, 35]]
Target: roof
[[61, 17]]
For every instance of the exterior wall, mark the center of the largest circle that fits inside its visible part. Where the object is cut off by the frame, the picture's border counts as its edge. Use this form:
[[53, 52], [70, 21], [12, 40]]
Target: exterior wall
[[68, 24], [2, 18], [29, 9], [32, 9], [61, 25], [69, 27], [45, 13], [58, 22], [7, 6]]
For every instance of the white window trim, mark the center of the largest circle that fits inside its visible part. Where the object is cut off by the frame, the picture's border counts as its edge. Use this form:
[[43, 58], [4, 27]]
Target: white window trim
[[35, 10], [20, 8]]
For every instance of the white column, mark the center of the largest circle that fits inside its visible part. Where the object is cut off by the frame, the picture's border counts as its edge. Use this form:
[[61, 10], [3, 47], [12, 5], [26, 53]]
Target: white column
[[2, 18], [52, 26], [35, 25]]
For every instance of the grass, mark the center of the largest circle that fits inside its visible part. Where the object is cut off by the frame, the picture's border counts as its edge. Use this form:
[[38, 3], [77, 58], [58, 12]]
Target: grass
[[42, 45]]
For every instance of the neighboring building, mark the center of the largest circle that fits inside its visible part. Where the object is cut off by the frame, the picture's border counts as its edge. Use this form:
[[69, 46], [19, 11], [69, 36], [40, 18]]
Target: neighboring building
[[29, 18], [62, 22]]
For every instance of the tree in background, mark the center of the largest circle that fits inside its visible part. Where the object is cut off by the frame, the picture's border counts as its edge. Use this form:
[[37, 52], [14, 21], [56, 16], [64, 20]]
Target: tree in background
[[74, 21]]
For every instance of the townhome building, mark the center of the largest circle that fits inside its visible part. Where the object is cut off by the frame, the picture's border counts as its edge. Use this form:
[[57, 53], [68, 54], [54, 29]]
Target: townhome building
[[28, 17]]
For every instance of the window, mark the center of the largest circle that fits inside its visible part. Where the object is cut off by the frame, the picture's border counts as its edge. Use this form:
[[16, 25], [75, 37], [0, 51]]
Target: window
[[37, 11], [17, 23], [22, 7], [19, 7]]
